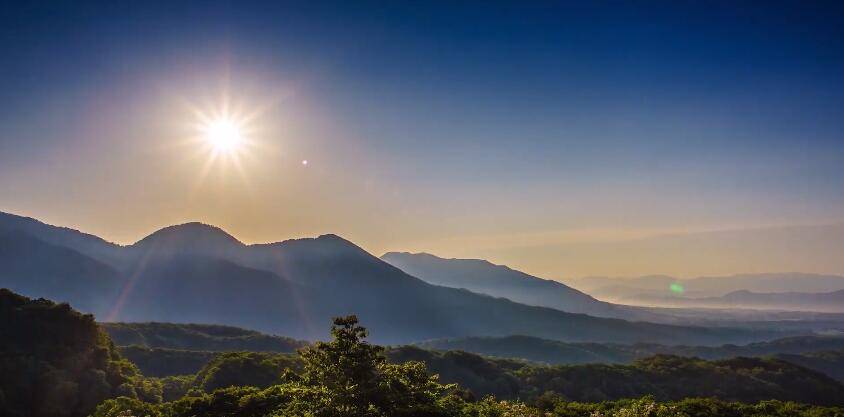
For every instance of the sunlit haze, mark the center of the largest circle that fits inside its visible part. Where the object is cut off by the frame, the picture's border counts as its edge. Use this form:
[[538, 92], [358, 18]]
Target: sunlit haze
[[684, 138]]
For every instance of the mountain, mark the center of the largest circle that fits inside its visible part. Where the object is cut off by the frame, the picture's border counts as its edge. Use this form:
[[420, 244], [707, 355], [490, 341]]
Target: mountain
[[83, 243], [555, 352], [162, 349], [639, 289], [204, 337], [829, 362], [189, 239], [31, 266], [198, 273], [535, 349], [663, 376], [499, 281], [831, 302]]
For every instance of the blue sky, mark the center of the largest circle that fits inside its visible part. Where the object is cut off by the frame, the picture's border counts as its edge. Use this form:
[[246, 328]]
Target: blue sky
[[485, 123]]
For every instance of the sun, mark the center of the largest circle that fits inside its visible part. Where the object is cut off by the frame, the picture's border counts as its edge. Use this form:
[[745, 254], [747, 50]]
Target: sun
[[223, 134]]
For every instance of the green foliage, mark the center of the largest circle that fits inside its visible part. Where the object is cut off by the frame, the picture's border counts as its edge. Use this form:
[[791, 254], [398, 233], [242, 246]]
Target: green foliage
[[665, 377], [55, 361], [347, 367], [489, 407], [257, 369], [198, 337], [126, 407], [554, 352], [690, 407], [829, 362], [162, 362], [480, 375], [63, 365], [353, 378], [344, 377], [674, 378], [644, 407], [175, 387]]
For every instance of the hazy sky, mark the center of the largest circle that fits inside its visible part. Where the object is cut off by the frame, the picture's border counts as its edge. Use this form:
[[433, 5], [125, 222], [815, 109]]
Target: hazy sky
[[564, 139]]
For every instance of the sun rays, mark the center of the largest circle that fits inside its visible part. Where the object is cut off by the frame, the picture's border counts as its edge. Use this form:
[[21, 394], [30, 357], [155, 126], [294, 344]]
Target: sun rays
[[225, 137]]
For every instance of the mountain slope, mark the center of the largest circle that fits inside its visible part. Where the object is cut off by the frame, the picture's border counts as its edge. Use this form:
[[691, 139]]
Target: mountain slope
[[33, 267], [554, 352], [198, 273], [203, 337], [83, 243], [830, 362], [499, 281]]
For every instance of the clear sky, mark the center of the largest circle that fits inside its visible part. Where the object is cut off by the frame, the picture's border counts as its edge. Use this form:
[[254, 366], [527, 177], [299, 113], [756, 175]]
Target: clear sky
[[561, 138]]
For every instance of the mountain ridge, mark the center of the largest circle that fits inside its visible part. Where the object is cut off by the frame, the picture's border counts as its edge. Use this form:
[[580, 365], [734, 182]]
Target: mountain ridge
[[485, 277], [293, 287]]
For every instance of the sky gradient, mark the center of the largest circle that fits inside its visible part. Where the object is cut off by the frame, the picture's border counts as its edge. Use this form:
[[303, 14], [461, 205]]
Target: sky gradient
[[564, 139]]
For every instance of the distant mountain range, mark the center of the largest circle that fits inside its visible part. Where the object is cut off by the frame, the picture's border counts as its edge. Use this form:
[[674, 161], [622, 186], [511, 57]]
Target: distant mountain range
[[641, 290], [199, 273], [832, 302], [500, 281]]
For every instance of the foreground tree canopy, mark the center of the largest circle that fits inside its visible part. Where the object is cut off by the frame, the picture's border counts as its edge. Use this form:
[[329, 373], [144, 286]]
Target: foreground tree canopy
[[57, 362]]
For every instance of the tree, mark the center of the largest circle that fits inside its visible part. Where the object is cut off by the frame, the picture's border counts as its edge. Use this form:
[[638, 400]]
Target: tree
[[348, 368], [353, 378]]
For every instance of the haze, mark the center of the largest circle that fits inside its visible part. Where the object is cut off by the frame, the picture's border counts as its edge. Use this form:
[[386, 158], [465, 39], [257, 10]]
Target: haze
[[684, 139]]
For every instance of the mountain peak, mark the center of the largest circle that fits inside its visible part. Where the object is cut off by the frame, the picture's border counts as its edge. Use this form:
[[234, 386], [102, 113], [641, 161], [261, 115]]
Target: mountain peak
[[332, 237], [434, 258], [328, 242], [193, 238], [190, 232]]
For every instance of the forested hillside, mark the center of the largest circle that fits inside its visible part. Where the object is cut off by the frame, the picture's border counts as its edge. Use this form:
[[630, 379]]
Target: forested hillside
[[665, 377], [560, 353], [829, 362], [55, 361], [197, 337], [63, 364], [349, 377], [510, 379]]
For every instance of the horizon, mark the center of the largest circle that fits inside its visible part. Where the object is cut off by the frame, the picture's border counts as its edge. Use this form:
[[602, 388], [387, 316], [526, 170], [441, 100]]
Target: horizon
[[561, 139], [436, 255]]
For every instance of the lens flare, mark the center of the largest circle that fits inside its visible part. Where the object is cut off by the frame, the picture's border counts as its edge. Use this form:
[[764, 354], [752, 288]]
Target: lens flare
[[677, 288]]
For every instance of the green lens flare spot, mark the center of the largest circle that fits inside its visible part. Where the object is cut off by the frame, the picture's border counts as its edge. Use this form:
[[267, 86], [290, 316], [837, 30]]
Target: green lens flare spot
[[677, 288]]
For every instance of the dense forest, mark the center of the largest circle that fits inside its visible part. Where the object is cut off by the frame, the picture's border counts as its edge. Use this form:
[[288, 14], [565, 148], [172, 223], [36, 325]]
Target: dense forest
[[189, 347], [55, 361], [509, 379], [63, 364], [562, 353], [198, 337]]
